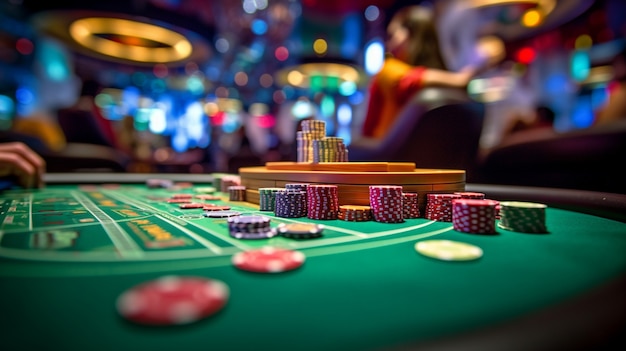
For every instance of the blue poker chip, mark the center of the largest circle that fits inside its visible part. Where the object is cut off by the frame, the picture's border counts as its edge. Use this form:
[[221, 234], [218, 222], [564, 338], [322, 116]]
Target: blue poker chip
[[266, 234]]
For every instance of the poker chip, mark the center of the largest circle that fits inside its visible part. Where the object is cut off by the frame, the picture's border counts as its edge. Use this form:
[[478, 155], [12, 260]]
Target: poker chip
[[474, 216], [178, 201], [268, 259], [181, 196], [250, 227], [221, 214], [386, 203], [439, 206], [355, 213], [266, 234], [237, 193], [322, 201], [448, 250], [190, 205], [172, 300], [524, 217], [300, 230], [214, 208]]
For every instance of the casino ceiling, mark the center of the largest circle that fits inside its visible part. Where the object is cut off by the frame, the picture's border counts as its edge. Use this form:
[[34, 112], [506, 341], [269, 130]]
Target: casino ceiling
[[243, 44]]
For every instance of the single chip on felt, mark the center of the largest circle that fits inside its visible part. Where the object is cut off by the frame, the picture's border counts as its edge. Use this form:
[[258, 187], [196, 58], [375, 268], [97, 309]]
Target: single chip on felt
[[448, 250], [172, 300], [268, 259], [191, 205]]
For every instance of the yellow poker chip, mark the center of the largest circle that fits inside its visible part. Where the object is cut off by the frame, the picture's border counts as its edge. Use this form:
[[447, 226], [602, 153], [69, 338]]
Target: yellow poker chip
[[448, 250], [355, 208], [300, 228]]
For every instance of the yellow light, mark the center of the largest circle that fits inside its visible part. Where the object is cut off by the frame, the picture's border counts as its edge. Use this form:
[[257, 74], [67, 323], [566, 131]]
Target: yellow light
[[295, 78], [532, 18], [85, 31], [583, 42], [300, 76], [320, 46]]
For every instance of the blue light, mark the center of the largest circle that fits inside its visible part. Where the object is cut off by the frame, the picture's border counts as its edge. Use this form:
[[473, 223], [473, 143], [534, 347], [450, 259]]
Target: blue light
[[158, 121], [344, 133], [180, 142], [344, 115], [24, 96], [7, 106], [352, 36], [258, 26], [54, 60], [374, 56], [580, 65]]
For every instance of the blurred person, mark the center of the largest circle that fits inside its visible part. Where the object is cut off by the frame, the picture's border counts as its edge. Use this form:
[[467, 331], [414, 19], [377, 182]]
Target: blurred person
[[615, 108], [42, 126], [20, 161], [83, 122], [414, 61]]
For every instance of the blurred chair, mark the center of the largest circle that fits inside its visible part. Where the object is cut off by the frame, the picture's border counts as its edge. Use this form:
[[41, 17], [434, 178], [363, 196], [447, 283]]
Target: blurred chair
[[583, 159], [440, 128]]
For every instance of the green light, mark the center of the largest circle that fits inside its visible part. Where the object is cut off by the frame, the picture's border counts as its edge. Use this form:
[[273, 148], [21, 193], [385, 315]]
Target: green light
[[347, 88], [580, 65], [332, 83], [327, 106], [316, 82]]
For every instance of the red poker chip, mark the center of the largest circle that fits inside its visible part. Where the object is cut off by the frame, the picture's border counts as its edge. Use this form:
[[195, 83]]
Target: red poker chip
[[215, 208], [181, 196], [268, 259], [172, 300], [191, 205]]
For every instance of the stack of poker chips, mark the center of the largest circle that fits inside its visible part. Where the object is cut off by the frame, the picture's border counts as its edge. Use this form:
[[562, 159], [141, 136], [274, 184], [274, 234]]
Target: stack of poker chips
[[474, 216], [470, 195], [410, 205], [329, 149], [299, 187], [229, 180], [478, 196], [386, 203], [524, 217], [311, 130], [267, 198], [290, 204], [355, 213], [322, 201], [250, 227], [439, 206], [237, 193]]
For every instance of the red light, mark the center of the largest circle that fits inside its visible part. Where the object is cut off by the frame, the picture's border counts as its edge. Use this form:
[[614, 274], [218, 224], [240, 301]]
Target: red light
[[281, 53], [525, 55], [24, 46], [218, 118], [265, 121], [160, 70]]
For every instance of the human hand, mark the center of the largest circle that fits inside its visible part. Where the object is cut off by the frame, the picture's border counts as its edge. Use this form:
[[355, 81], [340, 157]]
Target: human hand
[[17, 159]]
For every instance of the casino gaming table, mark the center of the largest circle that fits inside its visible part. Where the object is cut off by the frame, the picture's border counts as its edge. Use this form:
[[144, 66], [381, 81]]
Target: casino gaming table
[[68, 251]]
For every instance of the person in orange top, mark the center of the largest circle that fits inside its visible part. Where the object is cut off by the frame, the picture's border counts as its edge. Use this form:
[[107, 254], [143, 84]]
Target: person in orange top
[[414, 61]]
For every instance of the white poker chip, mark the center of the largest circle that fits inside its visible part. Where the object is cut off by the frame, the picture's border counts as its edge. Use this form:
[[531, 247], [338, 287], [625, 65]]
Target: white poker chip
[[300, 228]]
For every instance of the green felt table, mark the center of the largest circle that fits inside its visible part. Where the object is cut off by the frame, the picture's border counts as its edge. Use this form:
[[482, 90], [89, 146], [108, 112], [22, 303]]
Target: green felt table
[[68, 251]]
